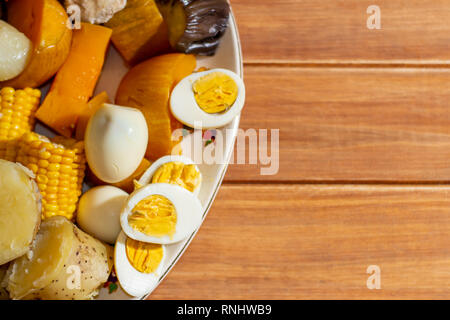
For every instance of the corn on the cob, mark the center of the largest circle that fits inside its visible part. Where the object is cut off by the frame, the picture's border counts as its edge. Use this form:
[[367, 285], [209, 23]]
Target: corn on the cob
[[59, 166], [17, 109]]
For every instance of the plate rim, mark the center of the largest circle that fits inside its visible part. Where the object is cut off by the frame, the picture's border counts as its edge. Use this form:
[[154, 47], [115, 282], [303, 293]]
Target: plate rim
[[235, 126]]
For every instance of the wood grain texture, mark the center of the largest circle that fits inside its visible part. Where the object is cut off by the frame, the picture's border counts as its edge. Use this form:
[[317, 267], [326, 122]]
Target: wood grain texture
[[335, 31], [316, 242], [350, 124]]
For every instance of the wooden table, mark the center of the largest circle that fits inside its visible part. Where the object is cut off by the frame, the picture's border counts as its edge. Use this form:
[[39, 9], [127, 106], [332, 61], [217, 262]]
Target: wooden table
[[364, 177]]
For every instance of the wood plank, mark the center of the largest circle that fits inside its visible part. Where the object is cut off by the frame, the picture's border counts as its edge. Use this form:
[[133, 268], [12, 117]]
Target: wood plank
[[330, 31], [350, 124], [298, 242]]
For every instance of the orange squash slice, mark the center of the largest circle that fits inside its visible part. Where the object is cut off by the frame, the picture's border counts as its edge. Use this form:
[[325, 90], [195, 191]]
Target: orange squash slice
[[147, 87], [44, 23]]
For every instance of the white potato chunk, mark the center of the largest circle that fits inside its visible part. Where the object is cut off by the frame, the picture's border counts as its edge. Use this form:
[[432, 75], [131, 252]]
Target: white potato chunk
[[20, 211], [64, 263]]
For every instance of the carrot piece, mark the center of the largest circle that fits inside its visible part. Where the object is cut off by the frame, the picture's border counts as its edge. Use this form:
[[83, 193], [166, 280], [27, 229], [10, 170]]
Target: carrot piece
[[93, 105], [75, 82]]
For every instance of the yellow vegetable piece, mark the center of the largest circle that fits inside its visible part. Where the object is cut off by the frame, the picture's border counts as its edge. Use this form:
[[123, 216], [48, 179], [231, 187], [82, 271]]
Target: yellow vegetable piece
[[59, 167], [178, 173], [20, 211], [17, 109], [144, 257], [215, 92], [155, 216]]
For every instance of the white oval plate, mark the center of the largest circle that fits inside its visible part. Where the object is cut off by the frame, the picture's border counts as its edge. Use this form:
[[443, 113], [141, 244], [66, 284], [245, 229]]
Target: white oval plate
[[228, 56]]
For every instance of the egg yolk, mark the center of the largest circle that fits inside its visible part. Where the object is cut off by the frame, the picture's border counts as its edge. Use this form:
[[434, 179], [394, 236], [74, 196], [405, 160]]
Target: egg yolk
[[154, 216], [144, 257], [215, 92], [183, 175]]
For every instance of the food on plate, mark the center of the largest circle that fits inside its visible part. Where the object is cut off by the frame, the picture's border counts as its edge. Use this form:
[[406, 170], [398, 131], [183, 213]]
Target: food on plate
[[44, 23], [127, 184], [59, 166], [195, 26], [20, 211], [139, 31], [99, 212], [176, 170], [64, 263], [208, 99], [93, 105], [147, 87], [138, 265], [75, 82], [3, 293], [14, 53], [17, 109], [161, 213], [97, 11], [116, 140]]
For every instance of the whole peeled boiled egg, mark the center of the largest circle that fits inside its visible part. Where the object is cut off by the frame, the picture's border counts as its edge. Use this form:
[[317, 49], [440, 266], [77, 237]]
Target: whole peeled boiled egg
[[208, 99], [138, 265], [116, 140], [99, 212], [161, 213], [178, 170]]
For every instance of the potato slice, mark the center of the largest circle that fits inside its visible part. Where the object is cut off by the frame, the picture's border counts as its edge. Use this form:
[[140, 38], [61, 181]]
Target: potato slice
[[20, 211], [64, 263]]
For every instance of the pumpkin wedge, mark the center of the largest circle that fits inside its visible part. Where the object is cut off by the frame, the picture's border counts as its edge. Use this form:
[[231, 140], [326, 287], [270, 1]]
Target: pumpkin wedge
[[75, 82], [44, 23], [147, 87]]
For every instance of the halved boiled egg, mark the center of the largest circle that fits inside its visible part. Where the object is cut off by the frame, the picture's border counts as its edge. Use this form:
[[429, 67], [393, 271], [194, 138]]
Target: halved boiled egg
[[177, 170], [208, 99], [161, 213], [138, 265]]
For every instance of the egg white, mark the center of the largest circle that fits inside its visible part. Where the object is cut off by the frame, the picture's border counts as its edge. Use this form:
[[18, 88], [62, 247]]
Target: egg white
[[146, 178], [188, 208], [132, 281], [185, 109]]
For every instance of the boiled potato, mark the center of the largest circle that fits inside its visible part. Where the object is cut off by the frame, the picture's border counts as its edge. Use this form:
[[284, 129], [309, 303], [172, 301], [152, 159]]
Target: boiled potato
[[20, 211], [64, 263]]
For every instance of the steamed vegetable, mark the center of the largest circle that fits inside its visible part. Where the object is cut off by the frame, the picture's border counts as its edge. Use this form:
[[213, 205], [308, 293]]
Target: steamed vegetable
[[59, 168], [44, 23], [64, 263], [139, 31], [20, 211], [195, 26], [18, 108], [75, 82]]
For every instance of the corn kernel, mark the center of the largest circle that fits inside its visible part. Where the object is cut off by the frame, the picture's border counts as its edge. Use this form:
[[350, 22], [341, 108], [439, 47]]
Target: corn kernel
[[60, 171]]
